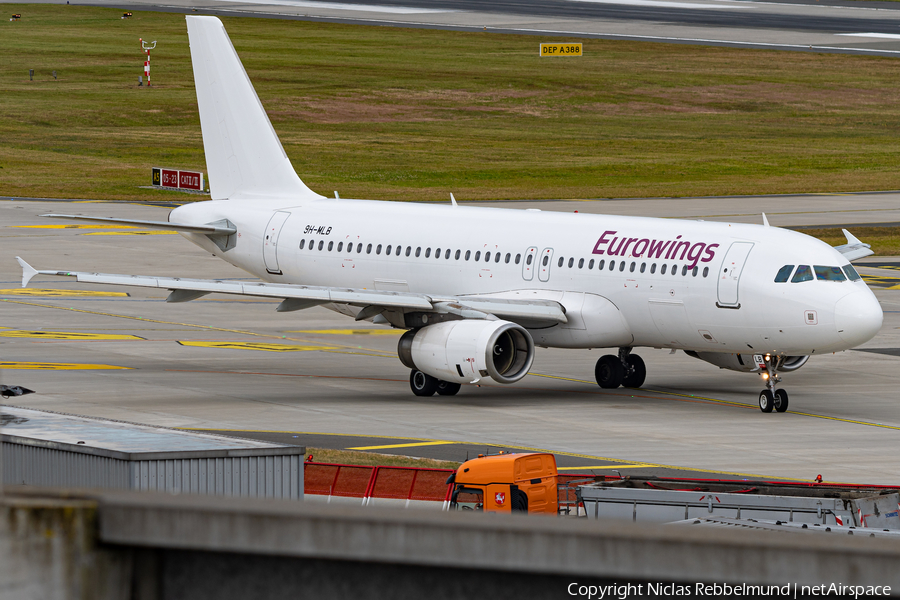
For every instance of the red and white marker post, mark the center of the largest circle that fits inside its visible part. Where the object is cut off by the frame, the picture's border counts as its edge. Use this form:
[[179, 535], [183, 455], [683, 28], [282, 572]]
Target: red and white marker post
[[147, 47]]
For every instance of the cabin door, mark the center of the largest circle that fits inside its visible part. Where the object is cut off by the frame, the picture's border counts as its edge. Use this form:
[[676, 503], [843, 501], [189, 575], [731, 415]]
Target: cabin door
[[270, 241], [730, 274]]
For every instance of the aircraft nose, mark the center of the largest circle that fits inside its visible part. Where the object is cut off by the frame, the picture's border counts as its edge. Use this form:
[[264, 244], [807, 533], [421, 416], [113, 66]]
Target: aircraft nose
[[858, 317]]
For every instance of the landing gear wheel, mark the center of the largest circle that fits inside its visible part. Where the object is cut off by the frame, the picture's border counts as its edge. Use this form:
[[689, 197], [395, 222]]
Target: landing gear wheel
[[422, 384], [446, 388], [766, 401], [609, 372], [636, 372], [781, 400]]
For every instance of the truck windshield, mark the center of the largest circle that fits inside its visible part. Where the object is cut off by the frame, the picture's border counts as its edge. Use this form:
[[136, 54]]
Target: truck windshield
[[467, 499]]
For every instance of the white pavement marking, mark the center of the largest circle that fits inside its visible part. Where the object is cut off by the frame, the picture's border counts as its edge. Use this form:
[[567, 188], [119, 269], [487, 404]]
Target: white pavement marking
[[664, 3], [399, 10], [886, 36]]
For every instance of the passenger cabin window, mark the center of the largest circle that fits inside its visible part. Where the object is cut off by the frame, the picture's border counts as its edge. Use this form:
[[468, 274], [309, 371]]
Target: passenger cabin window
[[653, 268], [468, 254], [546, 260], [457, 254], [612, 265], [674, 269], [378, 249], [621, 266], [784, 273], [527, 260], [705, 271], [477, 255], [321, 245], [662, 271], [571, 262], [601, 264], [852, 275], [437, 253], [591, 264], [580, 263], [684, 270], [694, 272], [330, 246], [359, 248], [399, 249], [829, 273], [518, 256], [487, 257], [804, 273], [643, 267], [631, 268], [369, 249], [302, 244], [508, 256], [497, 258], [387, 251], [340, 246], [447, 254], [560, 262], [418, 251], [427, 253]]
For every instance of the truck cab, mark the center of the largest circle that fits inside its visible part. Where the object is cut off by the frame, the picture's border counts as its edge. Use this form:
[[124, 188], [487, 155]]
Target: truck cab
[[506, 483]]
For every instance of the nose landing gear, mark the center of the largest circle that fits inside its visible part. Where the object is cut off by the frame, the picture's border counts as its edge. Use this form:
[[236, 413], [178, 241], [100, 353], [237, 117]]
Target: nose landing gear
[[626, 369], [770, 398]]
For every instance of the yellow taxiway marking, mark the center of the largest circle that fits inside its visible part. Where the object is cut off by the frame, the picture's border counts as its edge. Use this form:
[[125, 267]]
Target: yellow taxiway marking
[[413, 445], [74, 226], [348, 331], [56, 366], [595, 467], [148, 320], [68, 293], [147, 232], [255, 346], [65, 335]]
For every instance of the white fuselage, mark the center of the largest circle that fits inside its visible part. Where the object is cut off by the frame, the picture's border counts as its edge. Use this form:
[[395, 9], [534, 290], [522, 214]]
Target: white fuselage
[[717, 293]]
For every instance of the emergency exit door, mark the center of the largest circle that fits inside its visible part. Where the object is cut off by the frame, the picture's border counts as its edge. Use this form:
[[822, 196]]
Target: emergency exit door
[[270, 241], [544, 264], [730, 274]]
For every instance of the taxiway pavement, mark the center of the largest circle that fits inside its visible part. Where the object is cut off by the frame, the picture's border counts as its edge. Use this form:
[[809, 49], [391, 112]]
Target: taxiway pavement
[[235, 364]]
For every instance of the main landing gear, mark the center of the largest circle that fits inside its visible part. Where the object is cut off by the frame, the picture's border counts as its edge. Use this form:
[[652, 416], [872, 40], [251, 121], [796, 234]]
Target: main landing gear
[[626, 369], [425, 385], [770, 398]]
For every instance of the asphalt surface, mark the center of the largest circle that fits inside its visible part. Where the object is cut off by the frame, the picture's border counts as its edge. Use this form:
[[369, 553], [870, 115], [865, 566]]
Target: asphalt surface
[[234, 364], [833, 26]]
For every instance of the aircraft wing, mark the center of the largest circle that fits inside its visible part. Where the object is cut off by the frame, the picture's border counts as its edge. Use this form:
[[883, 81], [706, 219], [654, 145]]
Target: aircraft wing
[[303, 296], [854, 248]]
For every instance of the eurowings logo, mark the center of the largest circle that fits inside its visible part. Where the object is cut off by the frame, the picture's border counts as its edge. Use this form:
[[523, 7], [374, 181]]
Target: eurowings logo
[[676, 249]]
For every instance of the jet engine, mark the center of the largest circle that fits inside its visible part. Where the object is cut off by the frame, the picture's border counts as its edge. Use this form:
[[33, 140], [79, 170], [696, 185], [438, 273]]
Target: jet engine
[[468, 350], [745, 362]]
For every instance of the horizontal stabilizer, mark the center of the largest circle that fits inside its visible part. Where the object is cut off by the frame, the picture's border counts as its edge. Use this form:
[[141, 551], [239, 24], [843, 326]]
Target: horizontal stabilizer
[[204, 229], [854, 249]]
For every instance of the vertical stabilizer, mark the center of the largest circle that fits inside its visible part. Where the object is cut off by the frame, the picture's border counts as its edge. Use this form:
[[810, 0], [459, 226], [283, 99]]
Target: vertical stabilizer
[[244, 157]]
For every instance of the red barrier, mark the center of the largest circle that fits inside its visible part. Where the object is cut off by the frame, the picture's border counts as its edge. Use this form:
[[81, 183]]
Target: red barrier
[[397, 483]]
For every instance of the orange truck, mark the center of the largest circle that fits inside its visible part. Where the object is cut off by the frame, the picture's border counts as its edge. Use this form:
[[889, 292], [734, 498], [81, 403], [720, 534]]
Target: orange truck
[[506, 483]]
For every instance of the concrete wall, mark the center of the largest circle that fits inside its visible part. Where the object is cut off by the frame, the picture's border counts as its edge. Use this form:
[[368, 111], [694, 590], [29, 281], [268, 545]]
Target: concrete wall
[[169, 547]]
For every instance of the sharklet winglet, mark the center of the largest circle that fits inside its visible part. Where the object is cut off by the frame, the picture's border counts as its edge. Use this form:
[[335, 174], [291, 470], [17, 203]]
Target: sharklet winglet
[[27, 271]]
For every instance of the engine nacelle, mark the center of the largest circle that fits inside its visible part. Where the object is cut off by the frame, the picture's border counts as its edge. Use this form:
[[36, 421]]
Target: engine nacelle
[[467, 350], [745, 362]]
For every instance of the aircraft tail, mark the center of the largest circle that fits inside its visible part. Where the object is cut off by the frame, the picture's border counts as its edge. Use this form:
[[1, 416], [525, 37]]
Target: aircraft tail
[[244, 157]]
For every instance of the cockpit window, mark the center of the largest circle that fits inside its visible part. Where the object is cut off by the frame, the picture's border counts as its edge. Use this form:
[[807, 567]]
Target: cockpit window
[[852, 275], [784, 273], [804, 273], [829, 273]]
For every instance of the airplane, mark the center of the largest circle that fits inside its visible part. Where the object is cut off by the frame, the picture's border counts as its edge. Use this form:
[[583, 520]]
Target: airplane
[[476, 289]]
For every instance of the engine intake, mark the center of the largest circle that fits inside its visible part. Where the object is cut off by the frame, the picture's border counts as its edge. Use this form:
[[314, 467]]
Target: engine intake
[[468, 350]]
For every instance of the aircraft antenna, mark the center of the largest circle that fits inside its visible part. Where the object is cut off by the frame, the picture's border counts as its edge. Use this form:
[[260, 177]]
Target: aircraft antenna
[[765, 220], [452, 200]]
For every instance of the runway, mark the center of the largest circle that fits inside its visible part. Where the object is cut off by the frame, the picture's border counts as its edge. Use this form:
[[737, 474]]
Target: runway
[[234, 364], [834, 26]]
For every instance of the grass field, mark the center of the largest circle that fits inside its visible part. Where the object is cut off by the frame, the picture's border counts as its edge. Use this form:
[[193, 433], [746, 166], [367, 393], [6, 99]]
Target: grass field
[[415, 114]]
